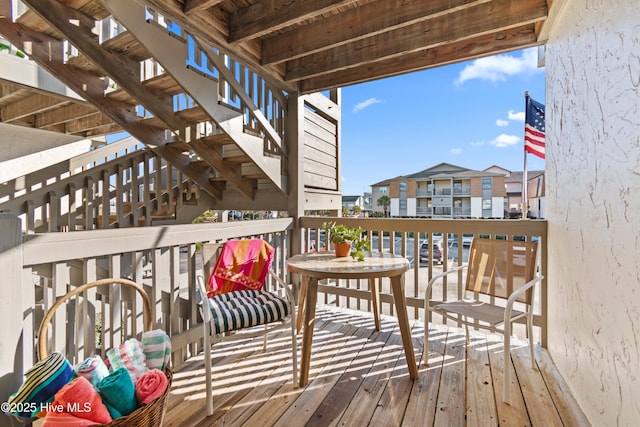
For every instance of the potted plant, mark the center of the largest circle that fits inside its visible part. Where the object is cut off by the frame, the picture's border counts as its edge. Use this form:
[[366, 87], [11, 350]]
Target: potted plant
[[347, 240]]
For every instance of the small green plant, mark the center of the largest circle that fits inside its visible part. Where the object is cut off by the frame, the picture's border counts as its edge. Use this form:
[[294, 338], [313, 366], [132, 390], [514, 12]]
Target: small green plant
[[339, 233]]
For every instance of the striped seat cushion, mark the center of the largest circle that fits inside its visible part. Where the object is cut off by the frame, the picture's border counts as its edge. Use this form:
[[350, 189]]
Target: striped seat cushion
[[242, 309]]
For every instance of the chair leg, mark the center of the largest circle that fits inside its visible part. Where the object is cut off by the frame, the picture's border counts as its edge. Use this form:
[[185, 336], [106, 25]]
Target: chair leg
[[507, 363], [530, 333], [425, 349], [207, 367], [294, 350]]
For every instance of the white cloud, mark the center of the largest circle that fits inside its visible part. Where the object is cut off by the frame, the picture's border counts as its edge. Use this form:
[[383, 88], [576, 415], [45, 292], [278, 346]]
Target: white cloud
[[502, 123], [456, 151], [364, 104], [504, 140], [519, 116], [477, 144], [499, 67]]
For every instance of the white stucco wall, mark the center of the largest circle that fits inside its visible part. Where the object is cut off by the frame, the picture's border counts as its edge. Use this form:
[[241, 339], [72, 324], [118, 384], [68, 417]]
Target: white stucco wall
[[593, 205]]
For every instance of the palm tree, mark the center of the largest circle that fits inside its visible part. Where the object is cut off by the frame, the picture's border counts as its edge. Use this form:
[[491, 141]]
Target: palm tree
[[384, 201]]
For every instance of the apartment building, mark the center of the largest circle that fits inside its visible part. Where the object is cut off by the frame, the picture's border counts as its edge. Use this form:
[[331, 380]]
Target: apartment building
[[444, 191], [513, 186]]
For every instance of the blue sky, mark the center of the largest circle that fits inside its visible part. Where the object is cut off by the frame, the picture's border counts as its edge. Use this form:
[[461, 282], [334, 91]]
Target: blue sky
[[469, 114]]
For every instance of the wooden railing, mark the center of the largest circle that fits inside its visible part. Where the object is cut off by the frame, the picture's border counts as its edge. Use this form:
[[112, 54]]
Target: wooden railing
[[164, 259], [118, 185]]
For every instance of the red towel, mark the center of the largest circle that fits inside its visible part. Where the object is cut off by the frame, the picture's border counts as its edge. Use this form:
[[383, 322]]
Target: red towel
[[79, 400], [150, 386], [65, 419], [242, 264]]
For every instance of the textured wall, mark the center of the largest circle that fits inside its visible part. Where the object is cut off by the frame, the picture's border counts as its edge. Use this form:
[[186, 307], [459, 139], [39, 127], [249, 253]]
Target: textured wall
[[593, 192]]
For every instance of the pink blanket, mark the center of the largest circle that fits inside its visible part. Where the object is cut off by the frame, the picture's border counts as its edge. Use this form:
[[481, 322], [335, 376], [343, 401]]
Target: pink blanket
[[242, 264], [77, 404], [150, 386]]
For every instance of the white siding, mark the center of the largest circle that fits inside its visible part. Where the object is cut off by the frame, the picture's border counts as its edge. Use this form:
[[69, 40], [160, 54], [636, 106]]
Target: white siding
[[411, 206], [593, 159], [497, 207], [394, 207], [476, 207]]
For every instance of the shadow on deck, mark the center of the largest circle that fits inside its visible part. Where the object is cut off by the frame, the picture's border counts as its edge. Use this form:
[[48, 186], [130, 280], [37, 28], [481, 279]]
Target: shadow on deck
[[359, 377]]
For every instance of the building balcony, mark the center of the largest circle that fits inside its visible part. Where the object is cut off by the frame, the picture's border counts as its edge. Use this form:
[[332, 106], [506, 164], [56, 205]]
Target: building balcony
[[358, 375]]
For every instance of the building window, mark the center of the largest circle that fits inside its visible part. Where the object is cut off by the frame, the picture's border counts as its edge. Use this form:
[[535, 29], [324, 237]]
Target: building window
[[403, 204], [486, 204], [486, 183], [384, 190], [403, 186]]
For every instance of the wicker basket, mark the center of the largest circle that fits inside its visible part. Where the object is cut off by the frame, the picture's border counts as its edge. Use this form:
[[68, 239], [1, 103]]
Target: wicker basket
[[150, 415]]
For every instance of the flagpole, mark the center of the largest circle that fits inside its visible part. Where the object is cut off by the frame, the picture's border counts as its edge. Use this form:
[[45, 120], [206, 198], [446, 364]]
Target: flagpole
[[525, 201]]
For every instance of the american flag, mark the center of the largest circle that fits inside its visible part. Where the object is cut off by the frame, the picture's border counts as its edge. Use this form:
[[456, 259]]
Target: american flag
[[534, 128]]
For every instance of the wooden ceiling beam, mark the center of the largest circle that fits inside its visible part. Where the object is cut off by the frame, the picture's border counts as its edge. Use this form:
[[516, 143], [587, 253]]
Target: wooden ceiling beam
[[503, 41], [64, 114], [194, 6], [265, 17], [28, 106], [479, 20], [95, 120], [8, 92], [355, 24]]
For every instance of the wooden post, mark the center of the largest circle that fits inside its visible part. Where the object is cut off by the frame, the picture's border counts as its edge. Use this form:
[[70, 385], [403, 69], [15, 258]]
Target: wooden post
[[12, 364]]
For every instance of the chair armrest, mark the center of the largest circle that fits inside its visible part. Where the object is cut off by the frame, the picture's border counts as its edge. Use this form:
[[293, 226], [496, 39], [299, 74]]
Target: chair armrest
[[206, 314], [515, 294], [440, 276], [287, 288]]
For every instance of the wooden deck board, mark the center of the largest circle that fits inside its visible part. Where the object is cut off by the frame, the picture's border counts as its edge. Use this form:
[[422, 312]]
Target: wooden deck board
[[359, 377]]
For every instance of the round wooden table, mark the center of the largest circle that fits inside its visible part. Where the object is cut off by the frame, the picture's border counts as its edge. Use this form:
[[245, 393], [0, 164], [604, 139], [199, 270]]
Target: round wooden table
[[325, 265]]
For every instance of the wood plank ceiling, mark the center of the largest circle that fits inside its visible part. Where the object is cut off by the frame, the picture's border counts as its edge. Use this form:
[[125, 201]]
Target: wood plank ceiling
[[315, 45], [308, 46]]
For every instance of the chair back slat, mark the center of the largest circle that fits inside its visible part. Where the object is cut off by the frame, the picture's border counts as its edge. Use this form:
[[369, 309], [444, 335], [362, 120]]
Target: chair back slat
[[499, 267]]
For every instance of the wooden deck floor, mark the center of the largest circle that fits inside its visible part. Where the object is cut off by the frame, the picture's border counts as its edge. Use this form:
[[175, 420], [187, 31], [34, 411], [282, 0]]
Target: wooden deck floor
[[359, 377]]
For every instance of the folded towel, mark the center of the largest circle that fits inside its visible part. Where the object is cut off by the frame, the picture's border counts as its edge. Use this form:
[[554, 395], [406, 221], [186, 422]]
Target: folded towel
[[242, 264], [118, 393], [65, 419], [80, 399], [150, 386], [157, 349], [93, 369], [41, 384], [128, 355]]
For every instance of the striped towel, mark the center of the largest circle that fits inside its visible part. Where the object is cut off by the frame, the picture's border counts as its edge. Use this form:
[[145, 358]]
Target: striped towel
[[41, 384], [128, 355], [242, 264], [157, 349], [93, 369]]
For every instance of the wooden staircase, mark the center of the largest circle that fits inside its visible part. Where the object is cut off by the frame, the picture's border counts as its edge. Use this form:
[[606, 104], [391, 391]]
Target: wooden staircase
[[208, 117]]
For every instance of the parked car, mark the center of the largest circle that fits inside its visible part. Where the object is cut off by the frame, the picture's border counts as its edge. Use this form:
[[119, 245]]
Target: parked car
[[437, 252]]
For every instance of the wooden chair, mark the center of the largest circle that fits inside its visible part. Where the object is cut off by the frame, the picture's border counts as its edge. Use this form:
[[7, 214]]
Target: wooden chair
[[236, 313], [504, 270]]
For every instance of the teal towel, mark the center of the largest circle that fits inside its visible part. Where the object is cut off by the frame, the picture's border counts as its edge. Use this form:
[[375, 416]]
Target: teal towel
[[118, 393]]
